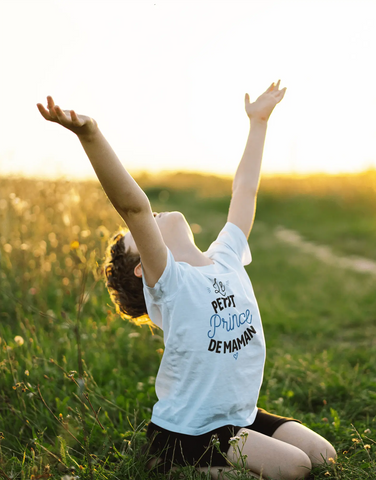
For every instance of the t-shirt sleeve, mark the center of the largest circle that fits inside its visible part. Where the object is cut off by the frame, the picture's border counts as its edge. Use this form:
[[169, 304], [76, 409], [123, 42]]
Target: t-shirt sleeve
[[163, 291], [231, 241]]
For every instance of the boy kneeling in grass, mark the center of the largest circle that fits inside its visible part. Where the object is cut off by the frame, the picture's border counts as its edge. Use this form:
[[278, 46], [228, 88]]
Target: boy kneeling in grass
[[212, 368]]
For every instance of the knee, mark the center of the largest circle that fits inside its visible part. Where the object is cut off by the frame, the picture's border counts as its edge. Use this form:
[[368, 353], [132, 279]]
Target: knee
[[321, 453], [299, 467]]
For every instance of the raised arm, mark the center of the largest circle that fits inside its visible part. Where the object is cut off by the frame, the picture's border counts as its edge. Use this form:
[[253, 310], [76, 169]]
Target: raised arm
[[124, 193], [247, 177]]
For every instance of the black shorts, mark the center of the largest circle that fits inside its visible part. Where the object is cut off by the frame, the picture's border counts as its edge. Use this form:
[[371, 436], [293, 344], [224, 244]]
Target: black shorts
[[198, 450]]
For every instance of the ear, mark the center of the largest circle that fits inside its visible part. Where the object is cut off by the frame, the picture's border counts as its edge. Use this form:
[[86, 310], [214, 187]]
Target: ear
[[138, 270]]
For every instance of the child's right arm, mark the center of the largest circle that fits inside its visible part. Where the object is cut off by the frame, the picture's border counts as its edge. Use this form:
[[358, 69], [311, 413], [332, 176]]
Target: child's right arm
[[124, 193]]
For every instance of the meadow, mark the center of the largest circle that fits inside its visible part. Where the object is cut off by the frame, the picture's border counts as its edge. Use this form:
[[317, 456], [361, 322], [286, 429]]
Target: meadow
[[77, 381]]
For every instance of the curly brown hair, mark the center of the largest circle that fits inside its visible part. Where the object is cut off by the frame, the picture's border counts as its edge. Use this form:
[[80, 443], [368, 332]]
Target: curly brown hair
[[126, 290]]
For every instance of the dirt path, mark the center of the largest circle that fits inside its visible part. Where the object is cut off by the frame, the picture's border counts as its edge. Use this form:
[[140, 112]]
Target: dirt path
[[325, 253]]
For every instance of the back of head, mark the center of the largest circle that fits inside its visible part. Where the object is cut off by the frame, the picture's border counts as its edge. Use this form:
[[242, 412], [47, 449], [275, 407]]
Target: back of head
[[126, 290]]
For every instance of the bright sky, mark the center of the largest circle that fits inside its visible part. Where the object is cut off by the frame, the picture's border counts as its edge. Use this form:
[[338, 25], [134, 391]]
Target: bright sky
[[166, 81]]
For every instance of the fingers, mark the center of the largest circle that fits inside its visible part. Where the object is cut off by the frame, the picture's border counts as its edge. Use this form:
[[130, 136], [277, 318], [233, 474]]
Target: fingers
[[50, 102], [45, 113], [270, 89], [281, 94], [75, 118], [54, 113], [51, 108], [278, 95], [274, 87], [60, 114], [246, 98]]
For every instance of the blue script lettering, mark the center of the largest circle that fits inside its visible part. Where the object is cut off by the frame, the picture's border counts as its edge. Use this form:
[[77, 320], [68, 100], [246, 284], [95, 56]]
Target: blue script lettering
[[216, 321]]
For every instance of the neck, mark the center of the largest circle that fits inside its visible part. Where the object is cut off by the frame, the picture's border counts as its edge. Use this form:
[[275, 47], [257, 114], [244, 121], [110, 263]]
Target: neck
[[190, 254]]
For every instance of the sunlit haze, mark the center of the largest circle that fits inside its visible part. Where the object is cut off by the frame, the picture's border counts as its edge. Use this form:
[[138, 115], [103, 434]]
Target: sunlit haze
[[166, 82]]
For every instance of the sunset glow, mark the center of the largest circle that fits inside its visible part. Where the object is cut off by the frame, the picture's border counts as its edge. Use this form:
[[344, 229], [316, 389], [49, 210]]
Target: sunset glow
[[166, 82]]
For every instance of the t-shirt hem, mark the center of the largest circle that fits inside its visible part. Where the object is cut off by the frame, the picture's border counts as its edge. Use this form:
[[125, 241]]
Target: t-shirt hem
[[207, 428]]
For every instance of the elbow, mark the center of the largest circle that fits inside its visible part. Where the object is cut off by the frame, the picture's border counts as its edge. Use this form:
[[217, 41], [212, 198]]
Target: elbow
[[131, 209]]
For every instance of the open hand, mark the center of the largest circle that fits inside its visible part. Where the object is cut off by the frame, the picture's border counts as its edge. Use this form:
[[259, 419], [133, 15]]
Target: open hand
[[78, 124], [261, 109]]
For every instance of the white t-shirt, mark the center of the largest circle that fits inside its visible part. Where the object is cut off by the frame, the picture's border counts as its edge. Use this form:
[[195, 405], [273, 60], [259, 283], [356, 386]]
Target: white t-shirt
[[212, 367]]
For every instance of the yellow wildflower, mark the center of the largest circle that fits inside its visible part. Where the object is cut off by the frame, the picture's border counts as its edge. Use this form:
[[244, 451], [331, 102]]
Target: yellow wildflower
[[19, 340]]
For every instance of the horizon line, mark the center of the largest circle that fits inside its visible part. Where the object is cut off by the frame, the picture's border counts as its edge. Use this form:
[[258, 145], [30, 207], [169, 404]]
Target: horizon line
[[162, 173]]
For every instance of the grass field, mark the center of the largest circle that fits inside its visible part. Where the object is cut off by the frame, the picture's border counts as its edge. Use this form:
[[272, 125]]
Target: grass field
[[77, 381]]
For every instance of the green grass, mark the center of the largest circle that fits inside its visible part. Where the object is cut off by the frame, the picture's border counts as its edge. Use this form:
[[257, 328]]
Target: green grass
[[319, 322], [339, 211]]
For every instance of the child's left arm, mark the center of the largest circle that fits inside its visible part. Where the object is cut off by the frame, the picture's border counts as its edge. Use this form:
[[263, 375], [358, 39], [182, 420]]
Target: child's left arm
[[247, 177]]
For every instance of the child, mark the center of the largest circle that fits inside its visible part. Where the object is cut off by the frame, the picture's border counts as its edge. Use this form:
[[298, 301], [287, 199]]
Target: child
[[212, 368]]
